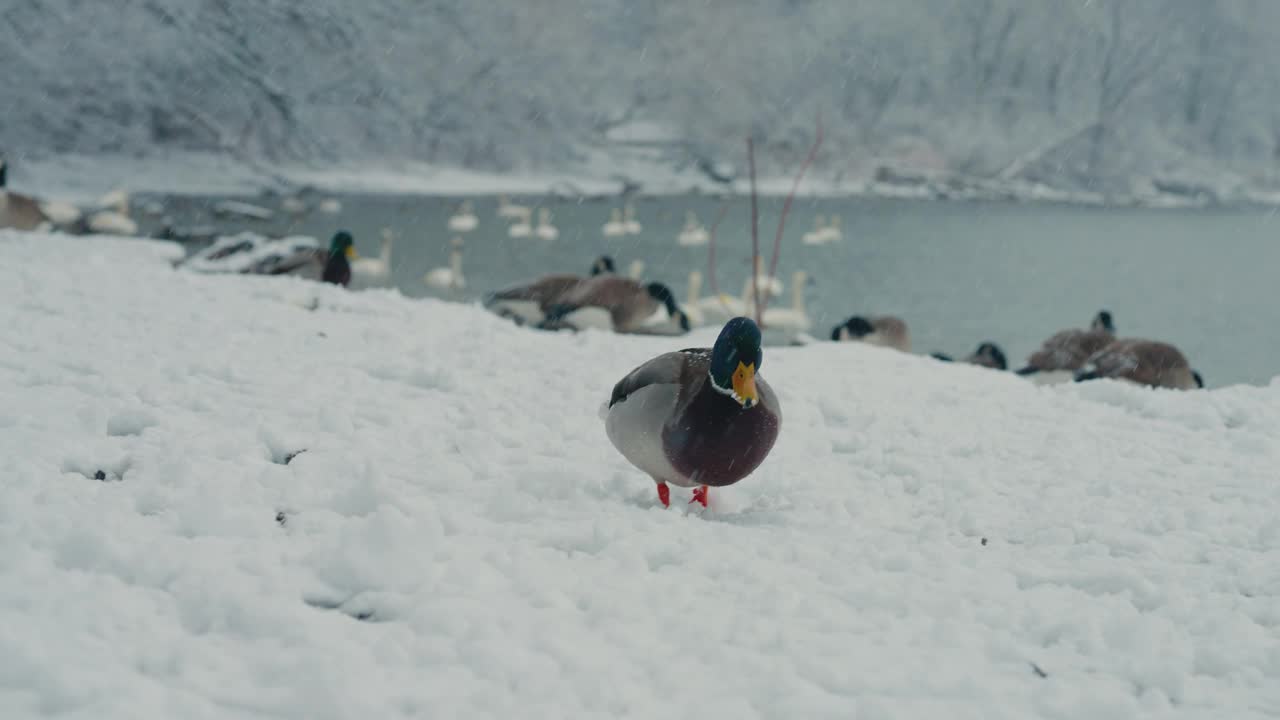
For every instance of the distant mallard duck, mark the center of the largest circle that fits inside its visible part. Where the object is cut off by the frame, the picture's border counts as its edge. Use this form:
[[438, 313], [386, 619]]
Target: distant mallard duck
[[699, 418], [342, 250]]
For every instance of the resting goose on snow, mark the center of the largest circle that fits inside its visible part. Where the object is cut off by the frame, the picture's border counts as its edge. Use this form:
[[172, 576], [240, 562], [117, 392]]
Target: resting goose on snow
[[883, 330], [1145, 362], [619, 304], [700, 417], [528, 303], [988, 355], [17, 211], [1066, 351]]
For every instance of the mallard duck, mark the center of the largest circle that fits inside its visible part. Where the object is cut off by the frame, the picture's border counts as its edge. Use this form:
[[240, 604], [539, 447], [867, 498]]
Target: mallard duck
[[342, 250], [527, 302], [1145, 362], [883, 330], [1067, 351], [700, 417], [619, 304]]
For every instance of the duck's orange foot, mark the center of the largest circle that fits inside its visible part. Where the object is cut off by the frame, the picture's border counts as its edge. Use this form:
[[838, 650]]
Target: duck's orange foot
[[664, 494], [699, 495]]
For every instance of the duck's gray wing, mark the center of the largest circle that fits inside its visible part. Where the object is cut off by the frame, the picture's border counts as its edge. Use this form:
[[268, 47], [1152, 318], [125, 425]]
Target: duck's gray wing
[[672, 368]]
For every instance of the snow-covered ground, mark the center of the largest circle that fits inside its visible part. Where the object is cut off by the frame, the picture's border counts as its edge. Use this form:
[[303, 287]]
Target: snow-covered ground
[[459, 539]]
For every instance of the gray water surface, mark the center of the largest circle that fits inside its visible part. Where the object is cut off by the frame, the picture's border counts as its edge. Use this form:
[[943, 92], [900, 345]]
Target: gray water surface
[[958, 273]]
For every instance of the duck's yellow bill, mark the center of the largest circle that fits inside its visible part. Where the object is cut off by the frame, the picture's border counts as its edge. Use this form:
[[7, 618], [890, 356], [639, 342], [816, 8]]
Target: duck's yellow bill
[[351, 252], [744, 385]]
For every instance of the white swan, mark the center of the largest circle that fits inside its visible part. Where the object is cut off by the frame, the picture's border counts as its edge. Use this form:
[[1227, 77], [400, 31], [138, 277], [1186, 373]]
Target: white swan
[[377, 270], [448, 278], [509, 210], [113, 217], [793, 319], [293, 205], [545, 230], [629, 222], [464, 220], [764, 283], [522, 228], [692, 234], [692, 304], [330, 206], [818, 235], [615, 227], [834, 234]]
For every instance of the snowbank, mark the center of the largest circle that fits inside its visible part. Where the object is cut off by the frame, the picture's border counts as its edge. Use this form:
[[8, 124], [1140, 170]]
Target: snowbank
[[459, 540]]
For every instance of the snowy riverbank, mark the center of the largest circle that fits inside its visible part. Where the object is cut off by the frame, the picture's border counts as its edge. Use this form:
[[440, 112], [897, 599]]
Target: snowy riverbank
[[603, 171], [460, 540]]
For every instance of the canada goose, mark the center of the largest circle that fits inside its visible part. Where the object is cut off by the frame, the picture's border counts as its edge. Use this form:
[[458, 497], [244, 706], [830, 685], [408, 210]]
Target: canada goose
[[989, 355], [375, 270], [632, 307], [17, 211], [1145, 362], [545, 230], [450, 277], [1066, 351], [464, 220], [793, 319], [692, 234], [527, 303], [883, 330]]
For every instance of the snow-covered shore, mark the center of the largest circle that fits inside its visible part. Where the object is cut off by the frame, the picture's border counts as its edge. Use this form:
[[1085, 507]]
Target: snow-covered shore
[[80, 178], [459, 539]]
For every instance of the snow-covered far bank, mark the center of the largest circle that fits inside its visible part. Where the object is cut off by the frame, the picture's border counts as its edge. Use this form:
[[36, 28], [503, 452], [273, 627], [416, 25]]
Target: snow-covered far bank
[[243, 497], [602, 171]]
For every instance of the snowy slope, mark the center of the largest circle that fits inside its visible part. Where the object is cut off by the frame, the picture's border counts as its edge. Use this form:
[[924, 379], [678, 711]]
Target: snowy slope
[[459, 540]]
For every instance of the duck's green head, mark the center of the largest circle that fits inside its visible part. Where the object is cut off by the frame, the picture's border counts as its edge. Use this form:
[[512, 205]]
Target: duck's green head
[[735, 360], [342, 244]]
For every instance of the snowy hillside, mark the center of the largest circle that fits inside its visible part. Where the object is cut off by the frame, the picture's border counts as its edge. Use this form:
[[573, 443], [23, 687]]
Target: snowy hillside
[[1106, 95], [247, 497]]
